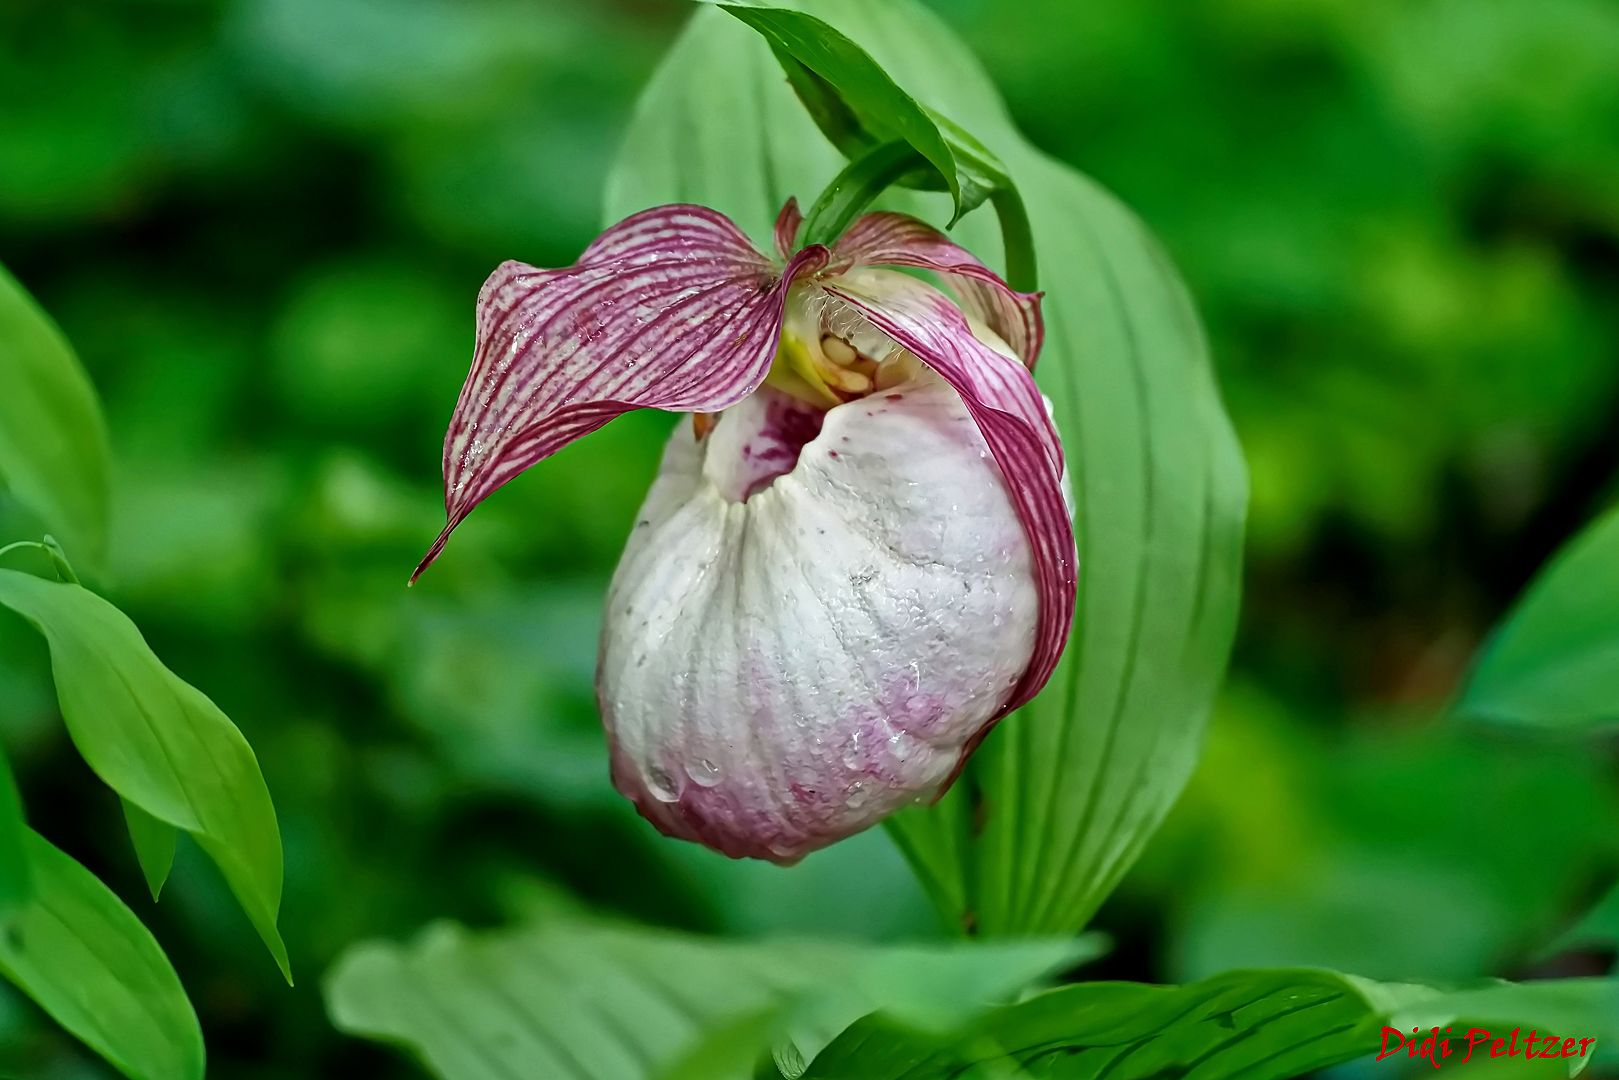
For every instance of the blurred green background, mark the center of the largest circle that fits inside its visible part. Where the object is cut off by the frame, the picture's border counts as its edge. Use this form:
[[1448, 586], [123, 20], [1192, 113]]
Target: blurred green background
[[263, 224]]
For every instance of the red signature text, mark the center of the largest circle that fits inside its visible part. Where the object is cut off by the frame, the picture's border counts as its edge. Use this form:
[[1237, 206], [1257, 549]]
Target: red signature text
[[1435, 1048]]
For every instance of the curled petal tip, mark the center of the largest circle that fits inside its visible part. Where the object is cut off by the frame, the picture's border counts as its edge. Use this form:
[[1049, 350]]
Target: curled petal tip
[[886, 239], [787, 225], [432, 553]]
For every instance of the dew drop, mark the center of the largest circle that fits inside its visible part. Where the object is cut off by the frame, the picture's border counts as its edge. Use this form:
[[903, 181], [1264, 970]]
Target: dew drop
[[661, 785], [703, 772]]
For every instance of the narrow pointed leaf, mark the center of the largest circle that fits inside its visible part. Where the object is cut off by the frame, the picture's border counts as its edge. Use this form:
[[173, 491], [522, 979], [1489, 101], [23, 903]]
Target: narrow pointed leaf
[[858, 106], [873, 109], [54, 455], [1554, 662], [566, 998], [16, 879], [88, 962], [157, 741], [1062, 796], [154, 845]]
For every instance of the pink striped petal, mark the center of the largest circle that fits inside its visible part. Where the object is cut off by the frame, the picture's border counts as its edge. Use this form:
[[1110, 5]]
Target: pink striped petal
[[898, 240], [787, 223], [672, 308], [1001, 396]]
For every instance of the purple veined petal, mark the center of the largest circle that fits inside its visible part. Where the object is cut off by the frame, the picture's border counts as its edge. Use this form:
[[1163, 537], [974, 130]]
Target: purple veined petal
[[671, 308], [787, 223], [898, 240], [1003, 399]]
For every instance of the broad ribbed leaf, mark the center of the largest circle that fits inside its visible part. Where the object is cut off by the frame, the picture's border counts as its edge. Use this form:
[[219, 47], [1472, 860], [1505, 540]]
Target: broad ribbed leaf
[[54, 456], [89, 963], [1063, 795], [1243, 1025], [1554, 662], [572, 999], [158, 741], [16, 880]]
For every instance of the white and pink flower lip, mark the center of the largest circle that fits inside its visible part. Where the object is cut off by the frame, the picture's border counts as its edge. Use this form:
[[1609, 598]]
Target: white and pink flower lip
[[857, 556]]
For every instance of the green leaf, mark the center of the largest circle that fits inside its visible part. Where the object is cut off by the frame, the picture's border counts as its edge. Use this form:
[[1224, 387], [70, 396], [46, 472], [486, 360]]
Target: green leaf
[[616, 1003], [154, 845], [89, 963], [158, 741], [1063, 795], [859, 107], [16, 880], [54, 455], [1554, 662], [1597, 928], [1252, 1025], [1577, 1007]]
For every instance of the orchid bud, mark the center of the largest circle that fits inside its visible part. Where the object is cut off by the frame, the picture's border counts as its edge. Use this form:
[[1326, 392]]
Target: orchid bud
[[856, 557]]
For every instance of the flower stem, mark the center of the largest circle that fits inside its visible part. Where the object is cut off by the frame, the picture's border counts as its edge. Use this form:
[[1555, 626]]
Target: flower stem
[[861, 181], [52, 549], [873, 172], [1017, 238], [9, 548]]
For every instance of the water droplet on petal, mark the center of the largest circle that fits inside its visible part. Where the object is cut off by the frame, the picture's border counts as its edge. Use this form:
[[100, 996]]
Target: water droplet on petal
[[661, 785]]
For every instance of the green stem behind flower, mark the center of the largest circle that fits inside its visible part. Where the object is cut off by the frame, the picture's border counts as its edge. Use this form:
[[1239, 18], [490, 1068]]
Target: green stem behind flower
[[869, 175], [1017, 238], [853, 189]]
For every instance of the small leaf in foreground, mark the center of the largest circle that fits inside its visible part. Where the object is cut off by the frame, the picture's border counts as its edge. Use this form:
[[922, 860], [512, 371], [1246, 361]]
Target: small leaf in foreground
[[154, 845], [1554, 662], [158, 742], [89, 963]]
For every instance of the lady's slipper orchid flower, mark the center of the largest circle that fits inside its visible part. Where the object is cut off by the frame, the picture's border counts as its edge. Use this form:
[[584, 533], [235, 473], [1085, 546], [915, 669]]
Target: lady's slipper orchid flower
[[857, 555]]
